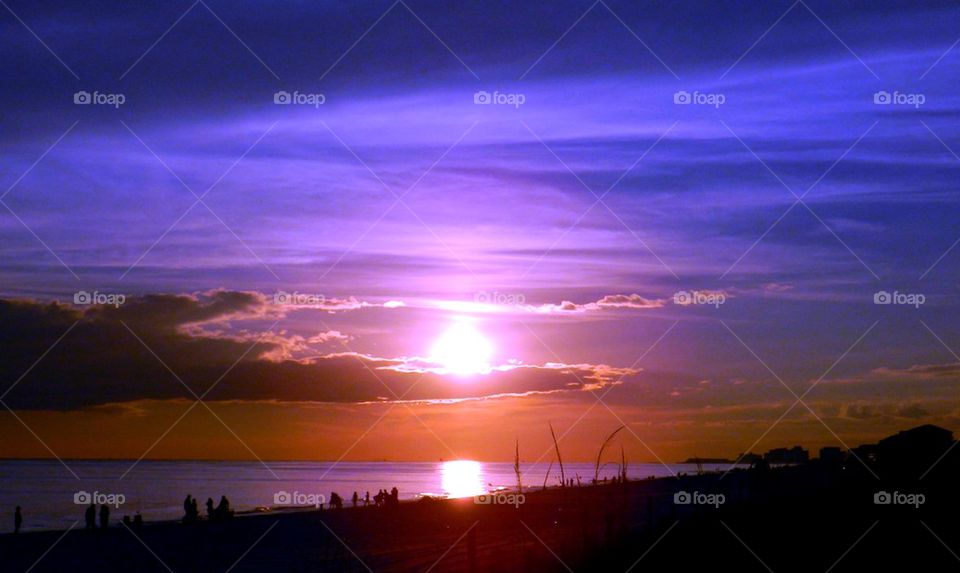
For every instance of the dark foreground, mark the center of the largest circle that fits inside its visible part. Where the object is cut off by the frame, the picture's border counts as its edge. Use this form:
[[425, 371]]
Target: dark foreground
[[806, 518]]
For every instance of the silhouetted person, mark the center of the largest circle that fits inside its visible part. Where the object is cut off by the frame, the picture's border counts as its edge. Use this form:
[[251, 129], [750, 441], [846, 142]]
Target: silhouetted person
[[137, 521], [223, 508], [366, 500], [104, 516], [90, 516], [356, 499], [394, 496], [190, 511], [210, 508], [17, 520]]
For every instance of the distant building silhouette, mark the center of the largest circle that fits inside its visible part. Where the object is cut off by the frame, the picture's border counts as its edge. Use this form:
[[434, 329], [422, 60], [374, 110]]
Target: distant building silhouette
[[909, 453], [866, 453], [927, 439], [916, 448], [794, 455], [832, 455]]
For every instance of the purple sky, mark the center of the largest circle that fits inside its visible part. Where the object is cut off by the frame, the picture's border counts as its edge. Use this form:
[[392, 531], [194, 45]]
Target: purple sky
[[399, 187]]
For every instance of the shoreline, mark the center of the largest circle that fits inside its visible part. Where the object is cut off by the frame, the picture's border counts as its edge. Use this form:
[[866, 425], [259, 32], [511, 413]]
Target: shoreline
[[280, 511], [410, 535], [593, 527]]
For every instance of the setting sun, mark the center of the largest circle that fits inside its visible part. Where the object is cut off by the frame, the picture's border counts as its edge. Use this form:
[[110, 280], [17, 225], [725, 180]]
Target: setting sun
[[462, 350], [462, 478]]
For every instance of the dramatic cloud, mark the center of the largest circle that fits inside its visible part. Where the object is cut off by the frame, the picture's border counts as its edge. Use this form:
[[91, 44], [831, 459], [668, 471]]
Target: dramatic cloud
[[301, 300], [885, 411], [608, 302], [165, 346]]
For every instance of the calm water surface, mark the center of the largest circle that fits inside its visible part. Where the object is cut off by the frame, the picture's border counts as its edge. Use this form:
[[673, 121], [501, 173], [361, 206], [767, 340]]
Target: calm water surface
[[156, 489]]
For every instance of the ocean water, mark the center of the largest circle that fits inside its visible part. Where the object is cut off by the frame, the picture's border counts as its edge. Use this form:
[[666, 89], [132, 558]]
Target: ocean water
[[52, 498]]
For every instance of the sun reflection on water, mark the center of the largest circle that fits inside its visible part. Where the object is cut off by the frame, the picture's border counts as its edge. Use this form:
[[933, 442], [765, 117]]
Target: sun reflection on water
[[462, 478]]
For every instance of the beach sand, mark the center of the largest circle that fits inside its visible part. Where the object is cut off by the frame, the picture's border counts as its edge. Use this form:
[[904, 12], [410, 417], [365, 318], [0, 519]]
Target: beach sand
[[790, 519], [439, 535]]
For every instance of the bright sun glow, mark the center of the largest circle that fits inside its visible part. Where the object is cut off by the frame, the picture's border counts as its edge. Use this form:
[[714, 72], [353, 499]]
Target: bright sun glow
[[462, 351], [462, 478]]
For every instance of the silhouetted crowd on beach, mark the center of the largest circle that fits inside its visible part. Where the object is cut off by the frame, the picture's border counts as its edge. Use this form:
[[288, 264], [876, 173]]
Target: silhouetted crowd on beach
[[90, 516], [383, 498], [191, 512], [219, 512], [222, 510], [387, 499]]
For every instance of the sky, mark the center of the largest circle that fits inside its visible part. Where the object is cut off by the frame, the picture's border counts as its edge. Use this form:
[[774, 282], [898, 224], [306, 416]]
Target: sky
[[727, 226]]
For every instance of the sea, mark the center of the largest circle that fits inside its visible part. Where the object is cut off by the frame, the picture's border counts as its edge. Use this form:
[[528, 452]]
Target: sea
[[54, 495]]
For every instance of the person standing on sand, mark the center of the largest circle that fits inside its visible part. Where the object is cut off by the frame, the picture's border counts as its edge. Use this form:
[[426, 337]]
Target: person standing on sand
[[104, 516], [90, 516], [223, 508], [17, 520], [366, 500], [356, 499]]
